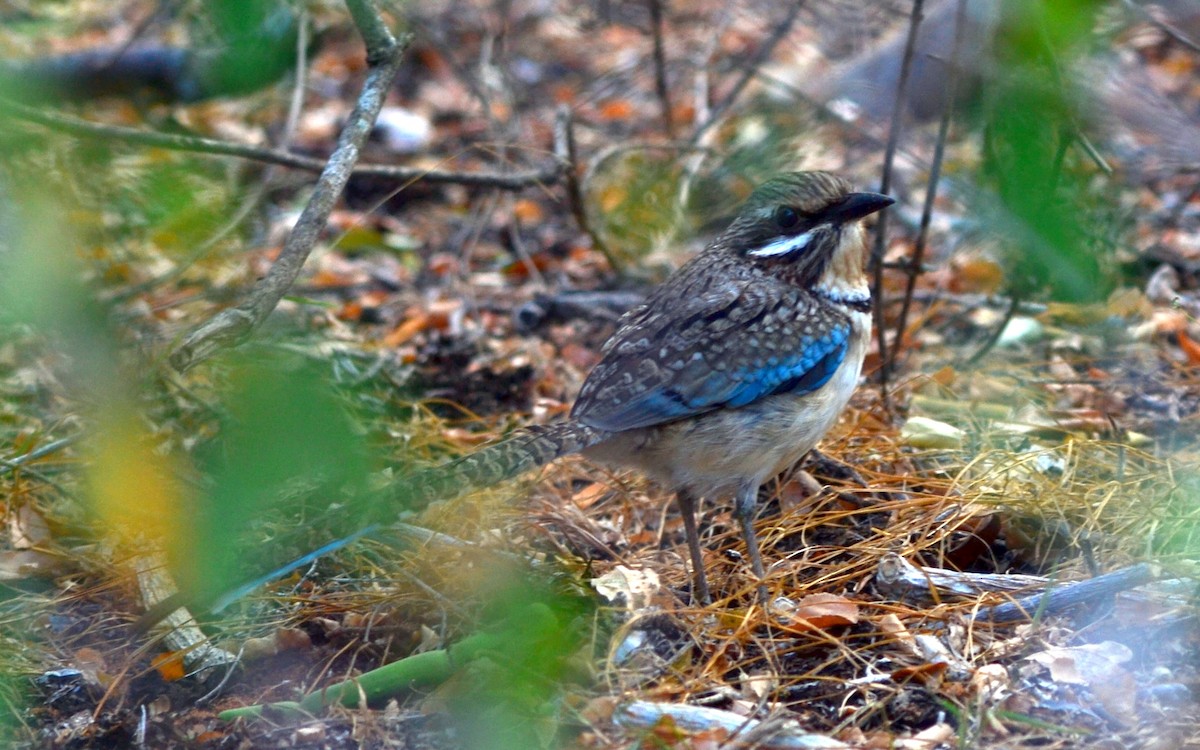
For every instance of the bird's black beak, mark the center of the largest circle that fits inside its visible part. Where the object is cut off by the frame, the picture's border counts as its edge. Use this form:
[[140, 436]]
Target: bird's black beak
[[858, 205]]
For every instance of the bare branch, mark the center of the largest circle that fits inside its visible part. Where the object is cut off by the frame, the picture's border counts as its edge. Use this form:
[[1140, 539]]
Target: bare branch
[[748, 73], [384, 54], [885, 183], [198, 145], [935, 176], [660, 66], [564, 146]]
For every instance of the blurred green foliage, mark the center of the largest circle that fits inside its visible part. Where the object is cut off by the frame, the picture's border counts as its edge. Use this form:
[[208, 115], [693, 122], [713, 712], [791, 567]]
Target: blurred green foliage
[[249, 44], [284, 440], [1034, 157], [512, 699], [636, 195]]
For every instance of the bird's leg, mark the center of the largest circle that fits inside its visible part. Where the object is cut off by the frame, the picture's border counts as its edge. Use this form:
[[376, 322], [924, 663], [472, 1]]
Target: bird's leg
[[687, 507], [744, 506]]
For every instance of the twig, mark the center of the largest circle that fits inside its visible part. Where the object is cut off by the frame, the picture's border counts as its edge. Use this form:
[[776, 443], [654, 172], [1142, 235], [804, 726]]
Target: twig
[[935, 175], [180, 632], [251, 201], [660, 66], [885, 183], [1068, 595], [748, 73], [703, 719], [992, 340], [9, 465], [897, 578], [564, 147], [1163, 26], [384, 54], [195, 144]]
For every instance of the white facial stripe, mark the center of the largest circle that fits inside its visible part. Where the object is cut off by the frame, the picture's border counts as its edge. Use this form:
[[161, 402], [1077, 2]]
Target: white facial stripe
[[783, 246]]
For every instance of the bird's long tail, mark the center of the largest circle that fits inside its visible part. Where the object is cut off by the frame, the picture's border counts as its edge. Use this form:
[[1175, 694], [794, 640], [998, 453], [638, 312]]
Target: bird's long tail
[[526, 449]]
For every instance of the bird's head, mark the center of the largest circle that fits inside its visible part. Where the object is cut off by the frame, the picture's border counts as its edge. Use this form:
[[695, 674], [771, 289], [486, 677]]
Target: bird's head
[[804, 226]]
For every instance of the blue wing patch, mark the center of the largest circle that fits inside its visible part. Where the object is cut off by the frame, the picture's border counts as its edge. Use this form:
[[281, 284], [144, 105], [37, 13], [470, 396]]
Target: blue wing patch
[[698, 388]]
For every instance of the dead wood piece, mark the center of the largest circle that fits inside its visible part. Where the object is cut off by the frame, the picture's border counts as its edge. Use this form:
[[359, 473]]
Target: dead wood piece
[[742, 732], [1068, 595], [898, 577], [232, 326], [180, 632]]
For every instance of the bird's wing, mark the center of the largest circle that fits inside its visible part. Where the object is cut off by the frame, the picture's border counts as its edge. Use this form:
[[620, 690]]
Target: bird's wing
[[725, 347]]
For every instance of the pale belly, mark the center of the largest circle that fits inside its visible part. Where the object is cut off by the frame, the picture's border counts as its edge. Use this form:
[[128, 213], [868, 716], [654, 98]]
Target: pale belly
[[715, 453]]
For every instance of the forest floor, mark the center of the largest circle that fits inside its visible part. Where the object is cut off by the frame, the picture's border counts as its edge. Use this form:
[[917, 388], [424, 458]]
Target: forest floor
[[433, 318]]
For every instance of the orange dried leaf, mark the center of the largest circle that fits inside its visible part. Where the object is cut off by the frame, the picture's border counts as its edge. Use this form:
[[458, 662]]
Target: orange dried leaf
[[442, 264], [945, 377], [528, 211], [292, 639], [351, 311], [611, 197], [169, 665], [844, 611], [977, 275], [1189, 347], [442, 312], [923, 673], [683, 113], [817, 612], [616, 109], [588, 496], [519, 269], [406, 330], [212, 736]]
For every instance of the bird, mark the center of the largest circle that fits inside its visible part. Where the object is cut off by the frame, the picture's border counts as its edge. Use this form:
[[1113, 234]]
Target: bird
[[729, 371]]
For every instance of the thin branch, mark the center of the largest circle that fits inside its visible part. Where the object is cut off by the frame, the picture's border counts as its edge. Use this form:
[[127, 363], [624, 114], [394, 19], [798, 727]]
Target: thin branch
[[254, 196], [748, 73], [935, 176], [564, 148], [384, 54], [1163, 26], [8, 465], [885, 183], [1054, 601], [660, 66], [194, 144], [993, 338], [382, 48]]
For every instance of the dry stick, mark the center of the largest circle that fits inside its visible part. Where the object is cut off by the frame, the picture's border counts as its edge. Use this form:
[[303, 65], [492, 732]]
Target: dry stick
[[764, 53], [9, 465], [568, 156], [1163, 26], [179, 630], [660, 66], [1053, 601], [251, 201], [384, 54], [885, 182], [935, 175], [1014, 304], [195, 144]]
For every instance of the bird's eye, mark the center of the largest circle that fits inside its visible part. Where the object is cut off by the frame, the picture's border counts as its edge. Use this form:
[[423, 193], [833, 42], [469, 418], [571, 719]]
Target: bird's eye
[[786, 217]]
